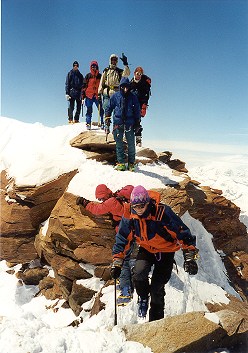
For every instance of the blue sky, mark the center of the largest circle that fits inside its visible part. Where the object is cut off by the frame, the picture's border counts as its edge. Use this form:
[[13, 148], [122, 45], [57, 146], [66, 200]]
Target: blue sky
[[195, 51]]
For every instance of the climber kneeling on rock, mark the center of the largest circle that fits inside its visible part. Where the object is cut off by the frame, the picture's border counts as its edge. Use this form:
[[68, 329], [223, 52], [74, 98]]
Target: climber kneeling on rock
[[113, 205], [159, 232]]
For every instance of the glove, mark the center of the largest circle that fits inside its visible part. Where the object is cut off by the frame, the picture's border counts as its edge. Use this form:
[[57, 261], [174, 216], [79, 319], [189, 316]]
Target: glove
[[143, 110], [190, 267], [67, 97], [99, 98], [190, 264], [115, 270], [107, 121], [82, 201], [124, 59]]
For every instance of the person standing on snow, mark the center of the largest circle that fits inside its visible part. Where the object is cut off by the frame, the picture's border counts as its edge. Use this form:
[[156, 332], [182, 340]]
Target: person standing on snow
[[113, 204], [159, 232], [141, 86], [73, 86], [126, 120], [90, 93], [111, 78]]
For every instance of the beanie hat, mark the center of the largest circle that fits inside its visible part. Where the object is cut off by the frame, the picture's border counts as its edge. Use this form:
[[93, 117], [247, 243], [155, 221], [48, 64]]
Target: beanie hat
[[75, 63], [139, 195], [102, 191], [139, 69]]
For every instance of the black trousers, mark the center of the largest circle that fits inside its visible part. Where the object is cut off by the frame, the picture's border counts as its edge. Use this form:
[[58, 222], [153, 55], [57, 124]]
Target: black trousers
[[163, 264], [71, 108]]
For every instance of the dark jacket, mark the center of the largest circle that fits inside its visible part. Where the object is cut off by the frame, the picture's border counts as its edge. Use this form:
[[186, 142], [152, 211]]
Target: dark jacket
[[158, 230], [74, 83], [142, 89], [126, 107]]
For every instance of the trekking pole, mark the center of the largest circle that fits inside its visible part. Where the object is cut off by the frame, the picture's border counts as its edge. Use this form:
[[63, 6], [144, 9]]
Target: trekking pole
[[99, 114], [82, 108], [107, 132], [115, 320]]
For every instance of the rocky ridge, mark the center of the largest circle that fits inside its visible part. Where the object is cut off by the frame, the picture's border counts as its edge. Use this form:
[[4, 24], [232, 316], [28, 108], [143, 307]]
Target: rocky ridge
[[74, 236]]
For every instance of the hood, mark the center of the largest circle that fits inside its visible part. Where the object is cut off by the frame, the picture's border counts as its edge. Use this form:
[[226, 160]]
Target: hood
[[125, 82], [111, 65], [103, 192], [92, 71]]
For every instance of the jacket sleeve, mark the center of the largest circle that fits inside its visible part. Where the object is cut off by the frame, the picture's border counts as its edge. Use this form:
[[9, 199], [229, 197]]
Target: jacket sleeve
[[184, 235], [126, 71], [147, 90], [67, 84], [102, 208], [85, 85], [123, 239], [102, 80]]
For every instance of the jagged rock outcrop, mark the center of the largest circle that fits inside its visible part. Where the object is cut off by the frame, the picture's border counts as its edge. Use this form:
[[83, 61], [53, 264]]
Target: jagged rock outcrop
[[23, 209], [95, 147], [75, 237]]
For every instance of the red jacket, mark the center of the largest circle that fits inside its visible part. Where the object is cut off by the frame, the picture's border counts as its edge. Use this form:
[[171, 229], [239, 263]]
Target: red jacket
[[111, 206], [91, 82]]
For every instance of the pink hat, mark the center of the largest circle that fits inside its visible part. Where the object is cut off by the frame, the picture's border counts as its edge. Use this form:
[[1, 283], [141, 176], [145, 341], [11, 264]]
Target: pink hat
[[139, 195]]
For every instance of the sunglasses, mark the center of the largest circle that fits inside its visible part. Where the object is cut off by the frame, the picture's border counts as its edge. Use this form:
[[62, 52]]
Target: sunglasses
[[138, 73], [139, 207], [75, 65], [113, 59], [94, 66]]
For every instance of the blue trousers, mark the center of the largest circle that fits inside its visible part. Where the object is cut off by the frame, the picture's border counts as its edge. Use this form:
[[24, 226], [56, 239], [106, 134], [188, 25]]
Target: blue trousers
[[118, 134], [126, 273], [89, 105]]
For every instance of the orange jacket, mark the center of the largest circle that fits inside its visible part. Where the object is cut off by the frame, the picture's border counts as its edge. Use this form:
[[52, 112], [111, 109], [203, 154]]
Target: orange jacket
[[159, 229]]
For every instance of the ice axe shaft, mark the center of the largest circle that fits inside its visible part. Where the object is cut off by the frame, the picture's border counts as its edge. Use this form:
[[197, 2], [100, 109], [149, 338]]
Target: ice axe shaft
[[115, 319]]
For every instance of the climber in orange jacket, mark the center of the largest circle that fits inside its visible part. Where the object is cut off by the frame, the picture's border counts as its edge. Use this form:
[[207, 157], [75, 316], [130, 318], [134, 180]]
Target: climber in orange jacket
[[159, 232]]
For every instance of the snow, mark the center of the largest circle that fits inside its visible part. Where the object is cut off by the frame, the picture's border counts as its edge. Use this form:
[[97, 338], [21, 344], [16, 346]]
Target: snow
[[34, 154]]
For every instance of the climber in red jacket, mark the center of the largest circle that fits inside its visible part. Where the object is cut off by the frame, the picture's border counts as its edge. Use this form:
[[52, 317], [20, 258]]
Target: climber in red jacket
[[113, 204]]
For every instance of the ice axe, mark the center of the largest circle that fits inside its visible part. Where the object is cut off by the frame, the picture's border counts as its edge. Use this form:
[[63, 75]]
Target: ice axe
[[115, 318]]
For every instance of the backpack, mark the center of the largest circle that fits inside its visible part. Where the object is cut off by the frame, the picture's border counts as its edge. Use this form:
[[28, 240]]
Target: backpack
[[124, 194]]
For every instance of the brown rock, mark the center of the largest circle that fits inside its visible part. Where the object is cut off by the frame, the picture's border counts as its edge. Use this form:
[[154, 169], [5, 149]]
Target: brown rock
[[190, 332], [79, 295], [32, 276]]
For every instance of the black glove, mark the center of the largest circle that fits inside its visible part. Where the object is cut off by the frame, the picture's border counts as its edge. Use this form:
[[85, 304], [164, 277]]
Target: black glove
[[190, 264], [99, 98], [190, 267], [82, 201], [124, 59], [115, 270]]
